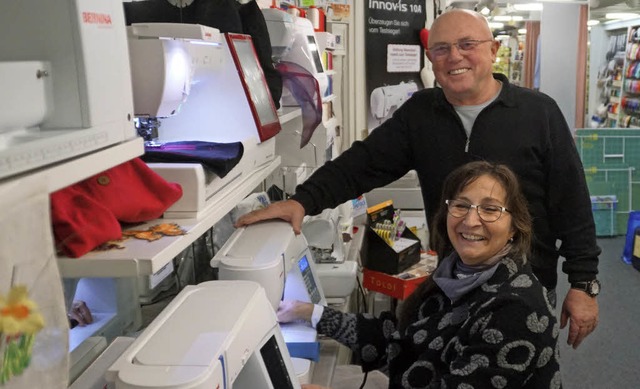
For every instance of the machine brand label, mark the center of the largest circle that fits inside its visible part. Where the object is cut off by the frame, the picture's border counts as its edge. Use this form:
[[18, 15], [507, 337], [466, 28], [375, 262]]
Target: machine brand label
[[382, 284], [96, 18]]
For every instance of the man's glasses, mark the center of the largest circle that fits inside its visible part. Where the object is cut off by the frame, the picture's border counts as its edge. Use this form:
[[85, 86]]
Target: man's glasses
[[464, 46], [488, 213]]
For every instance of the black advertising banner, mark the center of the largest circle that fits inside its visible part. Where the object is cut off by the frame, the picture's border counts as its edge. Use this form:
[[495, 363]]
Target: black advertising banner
[[394, 56]]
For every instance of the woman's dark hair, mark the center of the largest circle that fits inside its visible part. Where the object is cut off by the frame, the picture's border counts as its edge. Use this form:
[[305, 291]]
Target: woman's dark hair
[[439, 240]]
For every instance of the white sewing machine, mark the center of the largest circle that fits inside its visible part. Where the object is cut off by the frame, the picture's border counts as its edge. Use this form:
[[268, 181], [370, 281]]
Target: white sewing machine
[[218, 334], [272, 255], [281, 31], [65, 85], [329, 238], [208, 87], [306, 53], [386, 99]]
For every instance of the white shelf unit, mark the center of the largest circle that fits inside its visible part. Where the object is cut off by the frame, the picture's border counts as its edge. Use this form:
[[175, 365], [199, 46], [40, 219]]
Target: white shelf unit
[[63, 174], [142, 258]]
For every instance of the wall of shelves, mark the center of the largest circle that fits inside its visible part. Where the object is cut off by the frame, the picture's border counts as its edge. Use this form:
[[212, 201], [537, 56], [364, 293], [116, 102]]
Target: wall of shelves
[[614, 100]]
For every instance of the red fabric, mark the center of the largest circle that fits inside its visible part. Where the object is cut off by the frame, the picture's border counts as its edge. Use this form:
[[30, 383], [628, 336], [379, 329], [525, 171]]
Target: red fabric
[[80, 223], [89, 213]]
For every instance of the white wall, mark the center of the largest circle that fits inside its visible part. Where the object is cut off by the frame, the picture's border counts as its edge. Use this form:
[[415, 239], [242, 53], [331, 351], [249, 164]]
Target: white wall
[[559, 55]]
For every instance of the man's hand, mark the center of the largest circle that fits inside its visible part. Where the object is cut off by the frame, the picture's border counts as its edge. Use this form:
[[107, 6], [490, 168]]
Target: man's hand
[[288, 210], [581, 310]]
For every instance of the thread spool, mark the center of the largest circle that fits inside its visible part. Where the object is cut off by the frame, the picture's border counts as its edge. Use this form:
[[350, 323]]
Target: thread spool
[[293, 11], [316, 16]]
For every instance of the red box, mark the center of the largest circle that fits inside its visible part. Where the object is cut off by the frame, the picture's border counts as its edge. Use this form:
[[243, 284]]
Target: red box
[[392, 285]]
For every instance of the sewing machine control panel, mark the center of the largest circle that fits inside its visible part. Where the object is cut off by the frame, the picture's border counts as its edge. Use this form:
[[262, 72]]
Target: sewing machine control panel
[[309, 280]]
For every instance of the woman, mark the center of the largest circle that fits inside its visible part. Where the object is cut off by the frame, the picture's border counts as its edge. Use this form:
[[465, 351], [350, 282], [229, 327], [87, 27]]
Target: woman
[[482, 319]]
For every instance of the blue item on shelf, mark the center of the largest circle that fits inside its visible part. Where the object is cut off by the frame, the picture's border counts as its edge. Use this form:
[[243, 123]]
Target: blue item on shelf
[[632, 225]]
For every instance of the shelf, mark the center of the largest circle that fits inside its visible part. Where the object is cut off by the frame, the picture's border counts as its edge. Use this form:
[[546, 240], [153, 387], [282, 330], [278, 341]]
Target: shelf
[[329, 98], [63, 174], [289, 113], [142, 258], [616, 83], [614, 99], [612, 116]]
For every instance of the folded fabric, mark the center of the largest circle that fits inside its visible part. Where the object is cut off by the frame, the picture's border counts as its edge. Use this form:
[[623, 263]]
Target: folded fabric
[[220, 158], [81, 223], [89, 213]]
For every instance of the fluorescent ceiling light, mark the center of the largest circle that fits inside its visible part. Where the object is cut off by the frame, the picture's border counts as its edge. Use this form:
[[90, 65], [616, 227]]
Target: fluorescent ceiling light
[[496, 25], [621, 15], [593, 23], [485, 11], [528, 7], [522, 31]]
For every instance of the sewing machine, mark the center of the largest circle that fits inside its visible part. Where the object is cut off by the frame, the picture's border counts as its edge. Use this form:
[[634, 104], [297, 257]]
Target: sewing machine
[[386, 99], [217, 334], [272, 255], [208, 87], [305, 52], [281, 31], [65, 86], [329, 237]]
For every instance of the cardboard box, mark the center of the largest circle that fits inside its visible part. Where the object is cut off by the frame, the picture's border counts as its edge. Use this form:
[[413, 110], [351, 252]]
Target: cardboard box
[[379, 256], [396, 286], [387, 246]]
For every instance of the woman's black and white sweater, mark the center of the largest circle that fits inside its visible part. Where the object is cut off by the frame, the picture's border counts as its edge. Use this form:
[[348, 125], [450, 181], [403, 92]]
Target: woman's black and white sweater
[[502, 334]]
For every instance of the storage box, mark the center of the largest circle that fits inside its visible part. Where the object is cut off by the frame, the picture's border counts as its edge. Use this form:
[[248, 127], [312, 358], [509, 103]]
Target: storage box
[[400, 248], [635, 257], [396, 286], [381, 257], [604, 214]]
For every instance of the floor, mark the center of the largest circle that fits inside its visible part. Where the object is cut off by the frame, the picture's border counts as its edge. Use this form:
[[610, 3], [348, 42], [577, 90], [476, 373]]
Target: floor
[[610, 356]]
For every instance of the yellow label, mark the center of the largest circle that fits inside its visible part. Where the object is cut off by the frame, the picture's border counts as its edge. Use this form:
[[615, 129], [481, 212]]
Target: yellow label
[[636, 246]]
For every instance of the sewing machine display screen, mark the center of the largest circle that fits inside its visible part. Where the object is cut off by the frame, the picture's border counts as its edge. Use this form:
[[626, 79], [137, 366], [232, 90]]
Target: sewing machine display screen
[[275, 365], [252, 76], [313, 48], [309, 280]]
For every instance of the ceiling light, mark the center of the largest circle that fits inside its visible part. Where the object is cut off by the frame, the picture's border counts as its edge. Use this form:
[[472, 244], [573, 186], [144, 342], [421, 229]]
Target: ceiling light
[[621, 15], [502, 18], [522, 31], [494, 25], [528, 7], [485, 11], [593, 23]]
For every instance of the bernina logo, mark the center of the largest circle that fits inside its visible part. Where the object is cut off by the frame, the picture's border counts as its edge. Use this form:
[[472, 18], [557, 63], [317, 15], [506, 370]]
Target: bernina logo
[[96, 18]]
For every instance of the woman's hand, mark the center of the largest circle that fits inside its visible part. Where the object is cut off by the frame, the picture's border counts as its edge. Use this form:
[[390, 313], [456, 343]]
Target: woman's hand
[[289, 311]]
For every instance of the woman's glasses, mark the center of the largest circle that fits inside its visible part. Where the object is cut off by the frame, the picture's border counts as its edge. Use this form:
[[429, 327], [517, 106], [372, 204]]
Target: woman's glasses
[[488, 213]]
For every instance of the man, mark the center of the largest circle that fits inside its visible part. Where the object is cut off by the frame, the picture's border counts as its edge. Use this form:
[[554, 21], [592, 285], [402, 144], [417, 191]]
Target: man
[[475, 115]]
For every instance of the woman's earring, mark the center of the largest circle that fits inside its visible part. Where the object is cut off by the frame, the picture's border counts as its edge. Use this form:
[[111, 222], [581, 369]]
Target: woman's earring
[[511, 240]]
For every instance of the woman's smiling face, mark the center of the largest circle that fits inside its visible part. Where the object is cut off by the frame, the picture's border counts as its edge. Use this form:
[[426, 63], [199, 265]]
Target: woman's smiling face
[[475, 240]]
